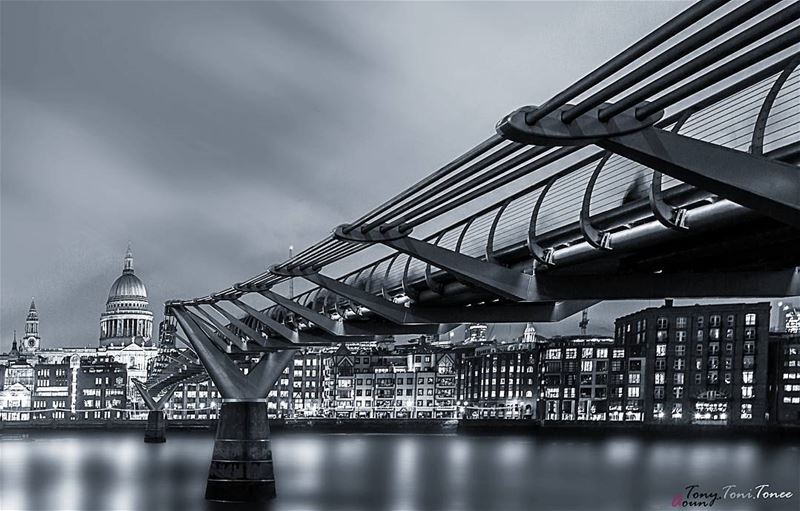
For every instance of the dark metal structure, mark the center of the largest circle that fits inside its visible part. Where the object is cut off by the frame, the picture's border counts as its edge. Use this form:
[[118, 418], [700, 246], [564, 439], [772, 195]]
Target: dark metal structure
[[670, 170], [171, 368]]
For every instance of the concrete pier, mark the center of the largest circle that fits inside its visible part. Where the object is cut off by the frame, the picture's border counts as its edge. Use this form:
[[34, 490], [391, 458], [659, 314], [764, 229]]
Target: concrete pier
[[241, 466], [155, 432]]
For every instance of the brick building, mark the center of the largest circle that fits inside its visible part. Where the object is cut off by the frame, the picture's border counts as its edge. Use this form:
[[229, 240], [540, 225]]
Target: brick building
[[704, 364]]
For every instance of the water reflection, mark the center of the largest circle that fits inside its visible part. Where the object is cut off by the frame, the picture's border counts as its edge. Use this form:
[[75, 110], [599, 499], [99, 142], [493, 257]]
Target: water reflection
[[117, 471]]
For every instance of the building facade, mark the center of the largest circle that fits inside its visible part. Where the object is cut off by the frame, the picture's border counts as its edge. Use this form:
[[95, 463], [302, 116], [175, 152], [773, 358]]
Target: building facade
[[704, 364], [498, 380], [100, 389], [784, 390]]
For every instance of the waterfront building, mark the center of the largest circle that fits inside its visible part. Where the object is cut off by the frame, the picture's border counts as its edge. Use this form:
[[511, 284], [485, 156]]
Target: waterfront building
[[784, 386], [100, 389], [127, 318], [305, 381], [20, 371], [445, 406], [498, 380], [578, 384], [408, 382], [194, 401], [15, 402], [136, 357], [53, 391], [705, 364]]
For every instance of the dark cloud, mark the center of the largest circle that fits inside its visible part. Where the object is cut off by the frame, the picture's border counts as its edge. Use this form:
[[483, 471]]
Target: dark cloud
[[213, 135]]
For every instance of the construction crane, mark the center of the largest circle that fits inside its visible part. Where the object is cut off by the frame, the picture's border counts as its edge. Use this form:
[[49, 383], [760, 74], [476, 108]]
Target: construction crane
[[584, 321]]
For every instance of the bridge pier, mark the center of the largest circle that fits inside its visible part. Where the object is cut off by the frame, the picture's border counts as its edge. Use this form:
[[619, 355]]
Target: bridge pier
[[241, 466], [155, 431]]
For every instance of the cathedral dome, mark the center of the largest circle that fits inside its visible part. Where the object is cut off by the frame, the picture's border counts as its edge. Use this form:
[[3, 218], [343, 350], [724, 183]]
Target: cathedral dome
[[126, 287], [127, 316]]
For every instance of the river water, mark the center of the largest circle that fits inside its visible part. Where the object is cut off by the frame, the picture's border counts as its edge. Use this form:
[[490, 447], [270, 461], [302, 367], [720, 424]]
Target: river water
[[117, 471]]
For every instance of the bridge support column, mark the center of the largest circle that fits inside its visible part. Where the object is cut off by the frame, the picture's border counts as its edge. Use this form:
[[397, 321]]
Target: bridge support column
[[155, 432], [241, 466]]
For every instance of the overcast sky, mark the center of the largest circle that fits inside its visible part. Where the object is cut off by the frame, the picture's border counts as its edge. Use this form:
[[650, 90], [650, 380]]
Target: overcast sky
[[213, 135]]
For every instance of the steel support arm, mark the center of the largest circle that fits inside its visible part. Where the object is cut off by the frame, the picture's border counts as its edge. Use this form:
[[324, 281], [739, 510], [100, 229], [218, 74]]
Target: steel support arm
[[297, 339], [497, 279], [230, 381], [766, 186], [264, 375], [490, 313], [148, 399], [255, 336], [345, 329], [212, 322]]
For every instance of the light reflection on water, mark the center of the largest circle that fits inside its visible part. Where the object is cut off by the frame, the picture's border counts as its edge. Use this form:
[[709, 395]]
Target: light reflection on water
[[117, 471]]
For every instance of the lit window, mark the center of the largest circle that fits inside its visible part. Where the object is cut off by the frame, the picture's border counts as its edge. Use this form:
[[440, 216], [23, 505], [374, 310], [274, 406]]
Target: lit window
[[747, 392], [661, 350], [553, 354], [750, 319]]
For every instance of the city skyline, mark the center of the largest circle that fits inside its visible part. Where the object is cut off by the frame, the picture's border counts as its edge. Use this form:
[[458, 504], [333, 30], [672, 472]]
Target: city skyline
[[130, 140]]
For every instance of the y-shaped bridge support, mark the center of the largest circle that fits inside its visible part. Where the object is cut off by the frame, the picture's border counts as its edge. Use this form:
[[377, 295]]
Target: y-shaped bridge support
[[241, 465], [155, 432]]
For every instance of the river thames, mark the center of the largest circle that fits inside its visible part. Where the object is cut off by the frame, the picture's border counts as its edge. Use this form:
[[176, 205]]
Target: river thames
[[116, 471]]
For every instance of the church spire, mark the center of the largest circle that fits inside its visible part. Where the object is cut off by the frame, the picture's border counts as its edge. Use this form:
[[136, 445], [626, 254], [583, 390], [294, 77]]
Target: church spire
[[128, 266], [31, 340], [33, 314]]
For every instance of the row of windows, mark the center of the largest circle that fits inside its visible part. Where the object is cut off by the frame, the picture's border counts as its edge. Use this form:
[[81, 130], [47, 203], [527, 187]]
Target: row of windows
[[714, 320], [677, 392], [682, 322]]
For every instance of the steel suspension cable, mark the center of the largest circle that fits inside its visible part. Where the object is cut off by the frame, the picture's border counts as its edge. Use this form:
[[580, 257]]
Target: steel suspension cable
[[666, 31], [473, 169], [712, 56], [475, 152], [750, 58], [668, 57]]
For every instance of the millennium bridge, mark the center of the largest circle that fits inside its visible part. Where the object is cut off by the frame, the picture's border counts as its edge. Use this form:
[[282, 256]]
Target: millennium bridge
[[670, 170]]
